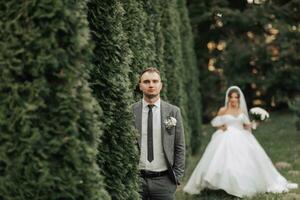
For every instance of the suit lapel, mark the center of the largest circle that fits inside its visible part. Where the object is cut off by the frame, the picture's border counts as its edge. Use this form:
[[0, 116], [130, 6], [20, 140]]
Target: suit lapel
[[163, 113]]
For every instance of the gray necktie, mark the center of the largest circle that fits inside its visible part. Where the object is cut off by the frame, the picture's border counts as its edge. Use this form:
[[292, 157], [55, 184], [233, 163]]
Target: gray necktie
[[150, 134]]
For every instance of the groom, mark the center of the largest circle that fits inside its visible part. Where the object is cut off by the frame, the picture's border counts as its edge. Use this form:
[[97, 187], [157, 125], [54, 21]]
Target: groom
[[160, 140]]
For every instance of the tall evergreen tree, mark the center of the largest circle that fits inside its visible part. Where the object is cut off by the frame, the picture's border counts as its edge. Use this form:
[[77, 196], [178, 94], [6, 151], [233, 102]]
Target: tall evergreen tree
[[173, 62], [201, 21], [191, 81], [175, 70], [155, 40], [287, 71], [112, 88], [134, 24], [48, 119], [284, 29]]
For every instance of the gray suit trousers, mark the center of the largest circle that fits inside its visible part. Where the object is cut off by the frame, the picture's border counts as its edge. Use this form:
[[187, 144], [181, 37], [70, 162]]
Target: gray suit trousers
[[157, 188]]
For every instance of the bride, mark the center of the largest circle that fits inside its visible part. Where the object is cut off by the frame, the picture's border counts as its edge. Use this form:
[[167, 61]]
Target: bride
[[233, 160]]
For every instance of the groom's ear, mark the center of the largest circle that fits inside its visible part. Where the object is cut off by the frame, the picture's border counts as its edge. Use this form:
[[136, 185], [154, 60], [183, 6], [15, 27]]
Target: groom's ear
[[137, 88]]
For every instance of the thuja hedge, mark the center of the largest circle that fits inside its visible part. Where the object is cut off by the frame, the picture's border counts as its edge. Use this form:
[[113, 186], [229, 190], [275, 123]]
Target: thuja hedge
[[191, 81], [49, 121], [134, 26], [111, 85]]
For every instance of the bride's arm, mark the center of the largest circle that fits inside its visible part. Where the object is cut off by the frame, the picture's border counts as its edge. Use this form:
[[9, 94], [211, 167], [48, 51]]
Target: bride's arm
[[223, 127], [247, 124], [218, 122], [251, 125]]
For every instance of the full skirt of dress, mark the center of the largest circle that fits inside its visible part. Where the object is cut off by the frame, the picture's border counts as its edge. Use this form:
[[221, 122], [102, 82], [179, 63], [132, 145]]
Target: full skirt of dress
[[235, 162]]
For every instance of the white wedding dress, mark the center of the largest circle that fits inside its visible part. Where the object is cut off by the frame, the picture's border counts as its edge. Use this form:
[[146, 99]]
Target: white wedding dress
[[235, 162]]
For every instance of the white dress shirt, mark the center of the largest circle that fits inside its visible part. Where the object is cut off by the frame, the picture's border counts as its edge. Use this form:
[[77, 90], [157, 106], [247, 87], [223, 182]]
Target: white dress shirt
[[159, 163]]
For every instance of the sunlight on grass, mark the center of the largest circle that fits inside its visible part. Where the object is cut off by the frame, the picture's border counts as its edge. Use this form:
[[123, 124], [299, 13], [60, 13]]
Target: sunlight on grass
[[280, 139]]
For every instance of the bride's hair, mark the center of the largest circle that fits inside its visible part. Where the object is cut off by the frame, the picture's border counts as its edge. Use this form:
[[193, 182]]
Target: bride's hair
[[233, 91]]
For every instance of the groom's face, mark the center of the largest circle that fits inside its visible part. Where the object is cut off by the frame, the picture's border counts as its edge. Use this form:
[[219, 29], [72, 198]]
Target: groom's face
[[150, 84]]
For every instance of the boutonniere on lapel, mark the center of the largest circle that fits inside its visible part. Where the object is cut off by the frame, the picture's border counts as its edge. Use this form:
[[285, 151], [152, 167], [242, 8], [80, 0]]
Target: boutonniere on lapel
[[170, 122]]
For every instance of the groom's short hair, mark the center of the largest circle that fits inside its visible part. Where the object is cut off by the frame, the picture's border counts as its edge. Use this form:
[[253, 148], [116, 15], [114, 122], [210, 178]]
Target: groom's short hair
[[149, 69]]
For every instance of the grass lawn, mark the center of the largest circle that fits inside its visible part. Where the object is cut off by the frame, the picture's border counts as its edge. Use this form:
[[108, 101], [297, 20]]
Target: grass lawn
[[281, 141]]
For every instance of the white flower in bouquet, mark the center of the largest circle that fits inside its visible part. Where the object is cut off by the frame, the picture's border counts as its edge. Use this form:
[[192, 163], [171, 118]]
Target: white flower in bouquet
[[258, 114]]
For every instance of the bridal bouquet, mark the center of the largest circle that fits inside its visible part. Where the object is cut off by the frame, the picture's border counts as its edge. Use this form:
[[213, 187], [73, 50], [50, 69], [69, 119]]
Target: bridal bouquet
[[258, 114]]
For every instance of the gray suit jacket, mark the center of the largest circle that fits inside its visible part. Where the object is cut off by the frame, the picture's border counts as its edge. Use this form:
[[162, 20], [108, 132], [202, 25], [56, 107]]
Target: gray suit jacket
[[172, 139]]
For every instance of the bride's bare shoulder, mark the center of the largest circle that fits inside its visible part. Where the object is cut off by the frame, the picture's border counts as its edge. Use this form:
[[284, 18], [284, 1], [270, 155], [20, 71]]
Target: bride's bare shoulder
[[222, 111]]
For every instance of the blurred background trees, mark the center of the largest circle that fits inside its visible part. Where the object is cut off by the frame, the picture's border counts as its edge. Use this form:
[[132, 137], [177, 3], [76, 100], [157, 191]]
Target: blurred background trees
[[247, 43]]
